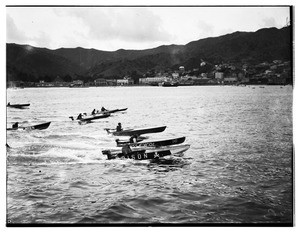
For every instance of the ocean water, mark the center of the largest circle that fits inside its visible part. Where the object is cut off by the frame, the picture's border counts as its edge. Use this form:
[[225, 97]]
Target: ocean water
[[238, 170]]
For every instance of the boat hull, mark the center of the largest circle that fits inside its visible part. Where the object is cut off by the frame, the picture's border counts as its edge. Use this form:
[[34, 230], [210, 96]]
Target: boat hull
[[146, 153], [94, 117], [157, 143], [137, 132], [18, 106], [115, 110], [42, 126]]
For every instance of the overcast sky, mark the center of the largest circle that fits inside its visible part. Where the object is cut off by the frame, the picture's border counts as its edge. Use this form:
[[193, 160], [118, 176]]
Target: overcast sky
[[112, 28]]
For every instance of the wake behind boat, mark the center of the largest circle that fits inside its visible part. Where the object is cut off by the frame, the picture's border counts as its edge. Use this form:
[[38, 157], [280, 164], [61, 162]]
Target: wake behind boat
[[41, 126], [136, 132]]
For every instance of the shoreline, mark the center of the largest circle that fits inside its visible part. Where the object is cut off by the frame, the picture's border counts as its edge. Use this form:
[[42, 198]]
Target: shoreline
[[114, 86]]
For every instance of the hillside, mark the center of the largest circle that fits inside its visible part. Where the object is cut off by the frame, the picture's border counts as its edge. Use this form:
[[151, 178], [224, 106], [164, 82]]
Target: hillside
[[28, 63]]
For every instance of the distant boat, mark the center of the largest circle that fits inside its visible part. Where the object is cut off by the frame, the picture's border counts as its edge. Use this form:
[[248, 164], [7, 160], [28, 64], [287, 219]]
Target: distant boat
[[18, 106], [113, 111], [169, 84], [41, 126], [153, 84]]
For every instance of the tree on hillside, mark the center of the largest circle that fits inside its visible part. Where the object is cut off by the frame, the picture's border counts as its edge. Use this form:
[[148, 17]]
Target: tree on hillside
[[67, 78]]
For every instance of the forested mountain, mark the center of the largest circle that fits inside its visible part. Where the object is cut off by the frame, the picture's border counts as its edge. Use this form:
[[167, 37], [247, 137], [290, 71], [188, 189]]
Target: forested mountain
[[28, 63]]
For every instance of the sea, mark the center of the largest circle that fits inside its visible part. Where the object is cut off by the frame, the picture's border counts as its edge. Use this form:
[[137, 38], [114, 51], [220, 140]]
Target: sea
[[238, 170]]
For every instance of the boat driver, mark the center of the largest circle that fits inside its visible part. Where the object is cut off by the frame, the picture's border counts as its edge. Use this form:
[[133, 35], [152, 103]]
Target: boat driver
[[119, 127], [126, 150], [15, 125]]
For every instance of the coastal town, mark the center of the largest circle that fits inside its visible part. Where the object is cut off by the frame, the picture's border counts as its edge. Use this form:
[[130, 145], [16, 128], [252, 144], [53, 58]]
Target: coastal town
[[277, 72]]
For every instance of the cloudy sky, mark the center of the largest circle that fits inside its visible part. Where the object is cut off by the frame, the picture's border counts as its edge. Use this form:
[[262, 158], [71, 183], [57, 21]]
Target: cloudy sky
[[112, 28]]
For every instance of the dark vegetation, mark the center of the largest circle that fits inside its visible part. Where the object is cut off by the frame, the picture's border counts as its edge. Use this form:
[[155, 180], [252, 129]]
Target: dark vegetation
[[31, 64]]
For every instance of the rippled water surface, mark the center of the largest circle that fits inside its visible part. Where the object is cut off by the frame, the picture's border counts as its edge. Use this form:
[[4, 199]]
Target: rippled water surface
[[237, 170]]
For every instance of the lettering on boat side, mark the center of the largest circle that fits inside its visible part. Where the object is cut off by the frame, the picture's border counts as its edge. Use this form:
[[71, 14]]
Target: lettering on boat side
[[142, 156], [150, 144], [144, 144]]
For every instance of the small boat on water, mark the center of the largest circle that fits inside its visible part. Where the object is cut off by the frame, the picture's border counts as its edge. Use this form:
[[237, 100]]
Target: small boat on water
[[90, 118], [144, 154], [41, 126], [136, 132], [99, 116], [115, 110], [18, 106], [169, 84], [153, 143]]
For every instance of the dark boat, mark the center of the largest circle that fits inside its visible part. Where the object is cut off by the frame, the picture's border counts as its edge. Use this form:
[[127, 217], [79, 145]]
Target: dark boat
[[115, 110], [41, 126], [156, 143], [149, 153], [99, 113], [169, 84], [98, 116], [18, 106], [137, 132]]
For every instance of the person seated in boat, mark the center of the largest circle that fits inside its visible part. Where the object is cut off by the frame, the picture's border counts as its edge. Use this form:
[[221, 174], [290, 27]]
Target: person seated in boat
[[8, 104], [133, 139], [94, 111], [126, 149], [79, 116], [15, 125], [119, 127], [103, 109]]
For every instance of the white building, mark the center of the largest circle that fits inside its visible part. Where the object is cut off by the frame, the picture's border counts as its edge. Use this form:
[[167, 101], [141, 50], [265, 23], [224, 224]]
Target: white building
[[181, 68], [219, 75], [150, 80], [230, 80], [124, 82], [175, 75]]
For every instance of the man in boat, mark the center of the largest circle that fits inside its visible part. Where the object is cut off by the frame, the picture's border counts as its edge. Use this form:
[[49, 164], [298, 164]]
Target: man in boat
[[8, 104], [79, 116], [94, 111], [133, 139], [126, 150], [103, 109], [15, 125], [119, 127]]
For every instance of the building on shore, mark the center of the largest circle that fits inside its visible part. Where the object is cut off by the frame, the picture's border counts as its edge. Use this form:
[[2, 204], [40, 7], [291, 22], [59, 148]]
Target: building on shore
[[125, 82], [152, 80], [219, 75], [76, 83], [230, 80], [100, 82]]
